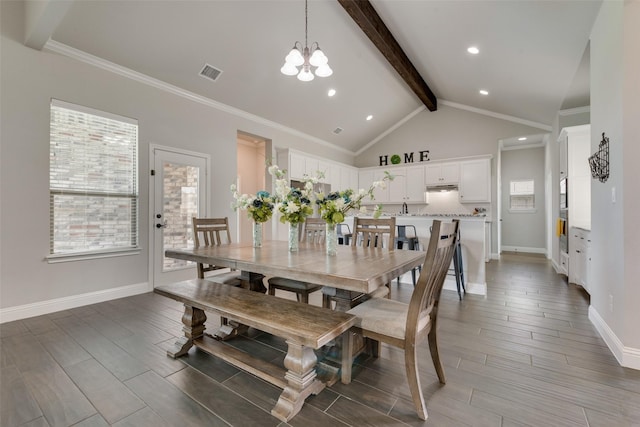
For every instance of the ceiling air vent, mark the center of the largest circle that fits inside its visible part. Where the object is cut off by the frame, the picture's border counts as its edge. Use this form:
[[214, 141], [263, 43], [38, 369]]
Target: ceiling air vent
[[210, 72], [337, 130]]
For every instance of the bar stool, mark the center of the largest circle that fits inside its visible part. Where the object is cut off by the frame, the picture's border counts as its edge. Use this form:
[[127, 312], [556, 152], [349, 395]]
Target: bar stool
[[458, 267], [412, 242], [344, 238]]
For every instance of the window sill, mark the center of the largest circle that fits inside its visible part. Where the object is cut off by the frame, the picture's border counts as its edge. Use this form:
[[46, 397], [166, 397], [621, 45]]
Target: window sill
[[81, 256], [523, 211]]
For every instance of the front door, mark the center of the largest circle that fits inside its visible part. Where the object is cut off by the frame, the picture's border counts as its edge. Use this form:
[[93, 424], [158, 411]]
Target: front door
[[178, 192]]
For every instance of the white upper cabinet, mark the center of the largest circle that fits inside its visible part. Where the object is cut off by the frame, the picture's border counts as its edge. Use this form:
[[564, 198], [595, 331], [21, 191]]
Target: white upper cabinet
[[408, 185], [442, 173], [366, 178], [475, 181], [296, 165]]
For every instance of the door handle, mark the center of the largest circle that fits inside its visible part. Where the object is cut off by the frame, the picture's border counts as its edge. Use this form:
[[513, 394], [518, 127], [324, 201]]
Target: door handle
[[164, 224]]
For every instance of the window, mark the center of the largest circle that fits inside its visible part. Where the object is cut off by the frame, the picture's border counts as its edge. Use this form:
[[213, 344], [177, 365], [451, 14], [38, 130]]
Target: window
[[93, 181], [522, 196]]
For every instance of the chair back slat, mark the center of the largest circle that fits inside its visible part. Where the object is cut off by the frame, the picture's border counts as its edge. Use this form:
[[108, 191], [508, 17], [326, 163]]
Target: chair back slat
[[210, 232], [427, 291], [313, 230], [374, 232]]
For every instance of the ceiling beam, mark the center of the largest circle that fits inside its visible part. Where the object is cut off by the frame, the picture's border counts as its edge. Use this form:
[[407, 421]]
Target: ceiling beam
[[363, 13]]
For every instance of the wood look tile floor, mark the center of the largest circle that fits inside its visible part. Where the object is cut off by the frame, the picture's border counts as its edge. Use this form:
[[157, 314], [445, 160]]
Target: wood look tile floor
[[526, 354]]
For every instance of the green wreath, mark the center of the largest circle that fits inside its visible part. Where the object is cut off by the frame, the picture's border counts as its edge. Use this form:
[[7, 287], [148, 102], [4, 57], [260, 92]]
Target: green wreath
[[395, 159]]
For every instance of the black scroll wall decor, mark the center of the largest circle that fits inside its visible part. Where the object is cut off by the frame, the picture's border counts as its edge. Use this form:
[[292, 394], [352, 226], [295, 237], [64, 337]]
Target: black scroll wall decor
[[599, 161]]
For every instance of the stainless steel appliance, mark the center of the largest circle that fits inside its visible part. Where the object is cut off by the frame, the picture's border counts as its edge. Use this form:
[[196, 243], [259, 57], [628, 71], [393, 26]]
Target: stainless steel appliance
[[563, 228]]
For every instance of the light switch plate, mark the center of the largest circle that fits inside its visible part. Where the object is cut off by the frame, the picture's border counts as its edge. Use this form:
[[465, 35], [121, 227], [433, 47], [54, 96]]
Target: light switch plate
[[613, 194]]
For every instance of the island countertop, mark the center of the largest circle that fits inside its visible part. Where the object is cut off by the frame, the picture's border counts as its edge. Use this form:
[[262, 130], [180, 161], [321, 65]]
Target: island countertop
[[474, 232]]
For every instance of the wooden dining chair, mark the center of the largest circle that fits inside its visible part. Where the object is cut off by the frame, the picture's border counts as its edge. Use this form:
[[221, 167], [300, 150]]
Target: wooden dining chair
[[405, 325], [374, 232], [313, 231], [213, 232]]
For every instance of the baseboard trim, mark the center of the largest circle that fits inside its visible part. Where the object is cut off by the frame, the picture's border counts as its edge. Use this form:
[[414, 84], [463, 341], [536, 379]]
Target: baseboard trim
[[470, 287], [524, 249], [40, 308], [627, 356]]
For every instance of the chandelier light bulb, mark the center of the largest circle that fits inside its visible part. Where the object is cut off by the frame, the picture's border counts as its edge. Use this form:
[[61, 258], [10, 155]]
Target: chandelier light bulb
[[295, 57], [324, 71], [318, 58], [288, 69], [305, 75]]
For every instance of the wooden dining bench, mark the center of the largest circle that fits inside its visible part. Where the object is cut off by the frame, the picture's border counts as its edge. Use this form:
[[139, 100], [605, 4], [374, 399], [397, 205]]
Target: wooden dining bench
[[304, 327]]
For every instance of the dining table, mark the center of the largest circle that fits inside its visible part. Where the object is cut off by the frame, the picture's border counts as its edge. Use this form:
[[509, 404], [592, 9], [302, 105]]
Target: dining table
[[351, 276], [353, 272]]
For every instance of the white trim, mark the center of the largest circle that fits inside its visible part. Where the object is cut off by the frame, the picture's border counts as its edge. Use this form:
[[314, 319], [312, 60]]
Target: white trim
[[450, 284], [627, 356], [94, 112], [62, 49], [496, 115], [523, 211], [10, 314], [80, 256], [391, 129], [523, 146], [577, 110], [524, 249], [470, 287]]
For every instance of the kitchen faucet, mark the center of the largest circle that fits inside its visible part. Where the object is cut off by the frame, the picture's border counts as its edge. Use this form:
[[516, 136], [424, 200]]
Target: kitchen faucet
[[405, 208]]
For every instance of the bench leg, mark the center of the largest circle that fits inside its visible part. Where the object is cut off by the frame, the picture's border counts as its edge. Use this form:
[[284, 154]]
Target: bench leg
[[301, 381], [193, 320]]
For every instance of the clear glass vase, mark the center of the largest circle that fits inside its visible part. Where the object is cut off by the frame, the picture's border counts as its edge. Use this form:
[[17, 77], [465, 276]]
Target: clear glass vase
[[257, 234], [331, 239], [293, 237]]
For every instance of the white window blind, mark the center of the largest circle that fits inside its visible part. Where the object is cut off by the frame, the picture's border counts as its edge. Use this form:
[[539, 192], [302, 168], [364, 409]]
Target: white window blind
[[93, 180], [522, 195]]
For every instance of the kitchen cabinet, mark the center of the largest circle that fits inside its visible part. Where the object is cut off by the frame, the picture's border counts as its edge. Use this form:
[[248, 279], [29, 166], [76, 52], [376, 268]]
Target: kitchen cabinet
[[408, 185], [580, 257], [442, 173], [475, 181], [299, 165], [366, 177]]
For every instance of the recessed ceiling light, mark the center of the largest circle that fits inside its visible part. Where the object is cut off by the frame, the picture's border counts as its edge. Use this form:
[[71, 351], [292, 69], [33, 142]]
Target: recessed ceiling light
[[484, 92], [522, 138], [473, 50], [369, 117], [331, 92]]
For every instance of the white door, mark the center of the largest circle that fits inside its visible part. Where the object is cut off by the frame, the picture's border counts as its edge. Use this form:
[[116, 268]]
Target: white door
[[178, 192]]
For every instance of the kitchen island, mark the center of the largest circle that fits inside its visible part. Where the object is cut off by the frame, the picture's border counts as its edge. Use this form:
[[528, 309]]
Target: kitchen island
[[473, 240]]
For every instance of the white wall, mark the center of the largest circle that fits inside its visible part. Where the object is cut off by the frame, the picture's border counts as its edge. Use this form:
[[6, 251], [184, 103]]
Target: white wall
[[524, 231], [615, 235], [29, 79]]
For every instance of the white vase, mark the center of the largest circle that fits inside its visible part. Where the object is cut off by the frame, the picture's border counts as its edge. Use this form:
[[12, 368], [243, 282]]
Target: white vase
[[331, 239], [293, 237], [257, 234]]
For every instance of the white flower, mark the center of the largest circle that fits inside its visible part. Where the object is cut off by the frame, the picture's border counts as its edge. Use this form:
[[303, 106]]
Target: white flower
[[363, 210], [362, 192], [292, 208], [339, 203]]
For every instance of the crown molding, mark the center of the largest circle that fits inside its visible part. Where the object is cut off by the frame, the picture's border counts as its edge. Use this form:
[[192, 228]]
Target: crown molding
[[577, 110], [495, 115], [62, 49]]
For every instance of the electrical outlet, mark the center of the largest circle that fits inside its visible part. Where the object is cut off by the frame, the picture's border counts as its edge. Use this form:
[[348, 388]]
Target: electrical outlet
[[611, 303]]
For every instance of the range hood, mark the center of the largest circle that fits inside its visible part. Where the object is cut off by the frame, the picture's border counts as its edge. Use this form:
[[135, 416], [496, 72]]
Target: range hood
[[441, 187]]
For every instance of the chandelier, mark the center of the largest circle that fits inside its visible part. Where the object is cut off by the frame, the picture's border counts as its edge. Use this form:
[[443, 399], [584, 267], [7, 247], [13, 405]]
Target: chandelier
[[307, 58]]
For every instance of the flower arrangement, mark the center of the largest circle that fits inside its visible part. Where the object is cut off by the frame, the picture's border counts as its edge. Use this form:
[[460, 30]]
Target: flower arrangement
[[259, 207], [335, 205], [293, 204]]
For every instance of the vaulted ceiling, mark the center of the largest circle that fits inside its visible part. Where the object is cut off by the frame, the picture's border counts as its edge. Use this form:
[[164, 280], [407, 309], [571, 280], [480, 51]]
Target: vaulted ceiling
[[529, 60]]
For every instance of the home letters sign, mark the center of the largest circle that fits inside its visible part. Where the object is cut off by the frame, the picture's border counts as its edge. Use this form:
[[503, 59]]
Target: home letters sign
[[395, 159]]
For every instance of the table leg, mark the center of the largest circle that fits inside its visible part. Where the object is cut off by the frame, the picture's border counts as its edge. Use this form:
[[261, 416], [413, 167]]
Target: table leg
[[301, 381], [230, 329], [193, 320]]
